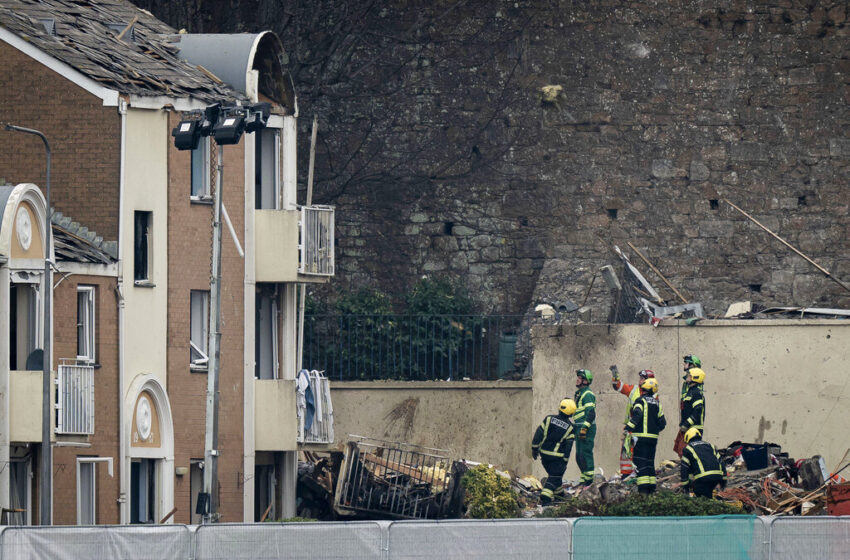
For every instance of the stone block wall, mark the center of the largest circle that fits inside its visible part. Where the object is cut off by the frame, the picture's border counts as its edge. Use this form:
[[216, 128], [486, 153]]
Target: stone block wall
[[445, 155]]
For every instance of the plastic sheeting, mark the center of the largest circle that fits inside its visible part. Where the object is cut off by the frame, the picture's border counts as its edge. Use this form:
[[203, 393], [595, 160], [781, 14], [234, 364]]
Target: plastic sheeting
[[510, 538], [124, 542], [272, 541], [824, 538], [682, 538]]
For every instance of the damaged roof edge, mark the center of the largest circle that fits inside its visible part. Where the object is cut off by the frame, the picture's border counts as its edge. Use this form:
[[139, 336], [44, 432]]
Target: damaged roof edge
[[252, 63], [107, 95]]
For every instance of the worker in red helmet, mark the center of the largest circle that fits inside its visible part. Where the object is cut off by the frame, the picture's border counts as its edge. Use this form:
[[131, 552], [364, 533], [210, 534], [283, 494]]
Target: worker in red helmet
[[632, 392]]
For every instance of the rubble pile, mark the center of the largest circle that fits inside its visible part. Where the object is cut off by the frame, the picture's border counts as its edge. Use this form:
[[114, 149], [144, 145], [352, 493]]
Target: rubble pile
[[762, 480]]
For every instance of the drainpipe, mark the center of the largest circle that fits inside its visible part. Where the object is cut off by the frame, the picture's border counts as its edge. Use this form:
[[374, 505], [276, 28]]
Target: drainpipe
[[123, 483]]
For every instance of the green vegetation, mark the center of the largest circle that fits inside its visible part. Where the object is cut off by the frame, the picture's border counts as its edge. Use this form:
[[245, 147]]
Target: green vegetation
[[488, 495], [660, 504]]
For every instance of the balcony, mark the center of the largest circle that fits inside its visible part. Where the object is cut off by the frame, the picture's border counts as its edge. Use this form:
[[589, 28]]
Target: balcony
[[75, 399], [25, 390], [294, 245], [274, 415]]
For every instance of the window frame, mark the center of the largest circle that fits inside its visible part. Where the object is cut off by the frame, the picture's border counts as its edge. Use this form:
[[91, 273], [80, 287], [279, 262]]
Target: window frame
[[93, 461], [204, 193], [202, 363], [143, 277], [90, 334]]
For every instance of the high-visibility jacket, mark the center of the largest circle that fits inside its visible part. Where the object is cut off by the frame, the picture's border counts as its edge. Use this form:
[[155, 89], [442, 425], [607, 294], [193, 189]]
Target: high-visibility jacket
[[554, 436], [647, 418], [585, 414], [700, 459], [693, 409], [631, 391]]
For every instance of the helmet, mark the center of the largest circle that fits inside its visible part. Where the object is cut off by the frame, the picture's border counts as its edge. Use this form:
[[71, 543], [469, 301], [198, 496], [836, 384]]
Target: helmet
[[692, 360], [568, 407], [650, 385], [697, 375], [585, 374], [691, 434], [647, 374]]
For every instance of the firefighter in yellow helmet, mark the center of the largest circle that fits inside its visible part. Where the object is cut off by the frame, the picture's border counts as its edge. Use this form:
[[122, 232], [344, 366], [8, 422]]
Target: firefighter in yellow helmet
[[701, 469], [689, 362], [632, 392], [645, 424], [693, 403], [552, 442]]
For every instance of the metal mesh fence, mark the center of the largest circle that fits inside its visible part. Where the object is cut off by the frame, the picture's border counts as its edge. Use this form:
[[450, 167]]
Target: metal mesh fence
[[824, 538], [510, 538], [125, 542], [713, 538], [660, 538], [272, 541]]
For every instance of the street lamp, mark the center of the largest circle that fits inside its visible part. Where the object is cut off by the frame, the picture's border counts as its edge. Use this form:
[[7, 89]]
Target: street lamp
[[46, 473]]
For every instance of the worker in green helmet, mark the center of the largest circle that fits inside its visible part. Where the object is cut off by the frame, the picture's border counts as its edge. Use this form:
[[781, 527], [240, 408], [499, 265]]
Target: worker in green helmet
[[585, 422]]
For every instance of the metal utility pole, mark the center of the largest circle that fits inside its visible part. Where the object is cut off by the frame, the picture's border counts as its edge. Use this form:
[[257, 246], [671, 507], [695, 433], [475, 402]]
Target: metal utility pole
[[46, 465], [211, 439]]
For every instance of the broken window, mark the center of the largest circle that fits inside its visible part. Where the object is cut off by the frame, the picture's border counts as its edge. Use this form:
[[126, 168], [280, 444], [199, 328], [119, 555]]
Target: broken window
[[24, 322], [86, 492], [85, 324], [267, 169], [142, 247], [199, 329], [201, 170], [266, 316]]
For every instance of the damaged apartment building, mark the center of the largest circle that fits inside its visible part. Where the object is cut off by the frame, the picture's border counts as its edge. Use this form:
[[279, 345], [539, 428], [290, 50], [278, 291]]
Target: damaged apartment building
[[132, 229]]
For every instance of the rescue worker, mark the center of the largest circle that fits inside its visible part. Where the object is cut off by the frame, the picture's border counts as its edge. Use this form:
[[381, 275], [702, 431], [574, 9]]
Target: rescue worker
[[701, 469], [693, 403], [552, 442], [632, 392], [585, 422], [645, 424], [689, 362]]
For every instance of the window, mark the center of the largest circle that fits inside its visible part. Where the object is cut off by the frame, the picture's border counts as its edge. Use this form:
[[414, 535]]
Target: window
[[20, 488], [198, 330], [25, 325], [267, 169], [201, 170], [143, 247], [85, 324], [265, 337]]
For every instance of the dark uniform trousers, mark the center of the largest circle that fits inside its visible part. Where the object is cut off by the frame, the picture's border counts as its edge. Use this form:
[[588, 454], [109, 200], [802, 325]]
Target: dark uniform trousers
[[644, 459], [555, 467], [704, 487]]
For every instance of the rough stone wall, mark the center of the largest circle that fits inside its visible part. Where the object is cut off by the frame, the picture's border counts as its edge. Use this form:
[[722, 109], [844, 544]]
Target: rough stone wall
[[444, 157]]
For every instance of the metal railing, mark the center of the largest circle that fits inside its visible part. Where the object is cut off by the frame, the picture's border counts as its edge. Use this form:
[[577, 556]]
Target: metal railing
[[321, 428], [316, 243], [75, 399], [411, 347]]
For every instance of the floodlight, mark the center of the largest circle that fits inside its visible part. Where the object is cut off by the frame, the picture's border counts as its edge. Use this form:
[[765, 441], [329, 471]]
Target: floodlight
[[229, 129], [258, 117], [186, 135], [211, 114]]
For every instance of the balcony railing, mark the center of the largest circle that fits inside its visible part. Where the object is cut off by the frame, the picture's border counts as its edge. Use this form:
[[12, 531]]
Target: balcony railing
[[321, 421], [75, 399], [316, 243]]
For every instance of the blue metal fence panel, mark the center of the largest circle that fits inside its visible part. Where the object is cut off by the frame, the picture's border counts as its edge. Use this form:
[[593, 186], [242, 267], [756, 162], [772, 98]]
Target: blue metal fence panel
[[414, 347], [734, 537]]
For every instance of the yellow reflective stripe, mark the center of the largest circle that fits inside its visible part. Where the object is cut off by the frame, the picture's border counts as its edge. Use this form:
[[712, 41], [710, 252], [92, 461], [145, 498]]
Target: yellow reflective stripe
[[646, 480], [551, 453], [701, 401], [706, 473], [645, 435]]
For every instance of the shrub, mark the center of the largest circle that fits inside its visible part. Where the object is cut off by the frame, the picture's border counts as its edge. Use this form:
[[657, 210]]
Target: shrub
[[666, 503], [488, 495]]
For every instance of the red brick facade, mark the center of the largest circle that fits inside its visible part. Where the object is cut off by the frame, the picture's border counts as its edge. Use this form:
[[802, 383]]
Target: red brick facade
[[84, 137], [189, 244]]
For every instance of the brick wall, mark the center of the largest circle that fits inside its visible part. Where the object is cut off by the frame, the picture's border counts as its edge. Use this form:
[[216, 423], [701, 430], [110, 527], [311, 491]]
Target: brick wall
[[104, 443], [84, 137], [189, 249]]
